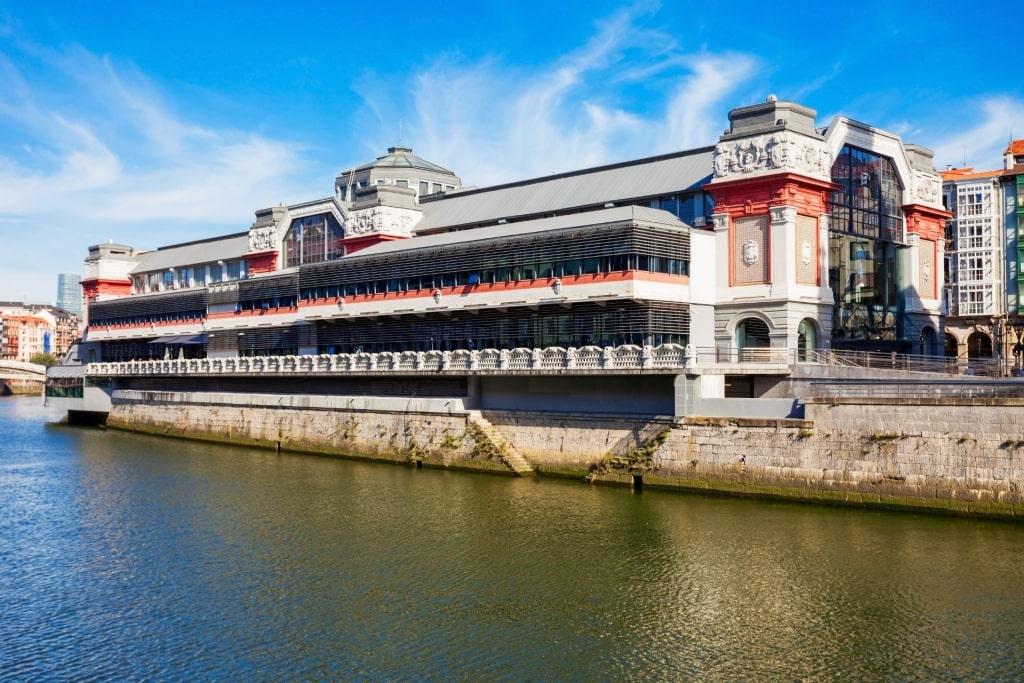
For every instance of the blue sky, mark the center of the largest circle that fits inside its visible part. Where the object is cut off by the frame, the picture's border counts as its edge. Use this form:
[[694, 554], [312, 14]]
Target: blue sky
[[155, 123]]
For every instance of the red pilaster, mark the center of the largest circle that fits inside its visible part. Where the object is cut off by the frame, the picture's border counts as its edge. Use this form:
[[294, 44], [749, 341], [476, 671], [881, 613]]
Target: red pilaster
[[930, 224], [94, 288], [755, 196], [925, 221], [261, 261]]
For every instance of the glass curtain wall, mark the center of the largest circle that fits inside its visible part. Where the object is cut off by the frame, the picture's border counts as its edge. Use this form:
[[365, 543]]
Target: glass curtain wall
[[313, 239], [866, 233]]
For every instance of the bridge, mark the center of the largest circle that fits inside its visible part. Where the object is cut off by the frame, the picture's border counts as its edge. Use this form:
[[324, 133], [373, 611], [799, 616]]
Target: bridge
[[15, 370]]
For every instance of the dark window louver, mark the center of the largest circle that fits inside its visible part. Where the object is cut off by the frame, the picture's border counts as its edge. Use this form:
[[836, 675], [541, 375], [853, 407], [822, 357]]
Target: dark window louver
[[560, 245], [135, 309]]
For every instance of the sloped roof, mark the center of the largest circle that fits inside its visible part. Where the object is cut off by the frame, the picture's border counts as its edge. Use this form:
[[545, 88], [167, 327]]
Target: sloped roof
[[1016, 147], [967, 173], [650, 177], [399, 157], [203, 251], [619, 214]]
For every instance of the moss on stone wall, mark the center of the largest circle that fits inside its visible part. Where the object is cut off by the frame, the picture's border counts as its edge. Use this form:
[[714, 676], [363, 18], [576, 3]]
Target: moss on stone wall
[[866, 456]]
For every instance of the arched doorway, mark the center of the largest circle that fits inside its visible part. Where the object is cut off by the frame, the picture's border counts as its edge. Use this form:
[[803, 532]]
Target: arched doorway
[[806, 340], [979, 345], [751, 335], [952, 346]]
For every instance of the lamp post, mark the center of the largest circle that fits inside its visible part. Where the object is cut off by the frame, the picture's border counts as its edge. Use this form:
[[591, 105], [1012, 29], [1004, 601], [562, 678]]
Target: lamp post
[[996, 351], [1018, 350]]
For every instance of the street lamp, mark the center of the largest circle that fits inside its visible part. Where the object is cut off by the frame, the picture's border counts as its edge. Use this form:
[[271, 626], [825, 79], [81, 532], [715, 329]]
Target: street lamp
[[997, 337], [1018, 349]]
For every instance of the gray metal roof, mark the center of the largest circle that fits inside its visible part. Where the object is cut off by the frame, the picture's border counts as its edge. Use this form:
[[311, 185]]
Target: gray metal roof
[[619, 214], [618, 183], [225, 248], [399, 157]]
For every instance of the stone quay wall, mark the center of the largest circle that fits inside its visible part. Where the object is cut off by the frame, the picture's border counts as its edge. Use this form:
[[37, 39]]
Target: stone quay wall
[[963, 457], [408, 431], [959, 456]]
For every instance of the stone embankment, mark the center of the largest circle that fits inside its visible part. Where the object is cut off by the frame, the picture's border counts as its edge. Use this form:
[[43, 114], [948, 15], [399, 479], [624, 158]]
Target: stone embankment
[[953, 456]]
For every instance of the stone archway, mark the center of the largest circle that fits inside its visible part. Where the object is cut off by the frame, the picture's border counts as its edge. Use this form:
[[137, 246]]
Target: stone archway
[[951, 348], [979, 345], [752, 335], [806, 340]]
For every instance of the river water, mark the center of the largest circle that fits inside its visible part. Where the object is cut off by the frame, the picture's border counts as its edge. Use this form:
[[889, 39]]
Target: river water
[[128, 557]]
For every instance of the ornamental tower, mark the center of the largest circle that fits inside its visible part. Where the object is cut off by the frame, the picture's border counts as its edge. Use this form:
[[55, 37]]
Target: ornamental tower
[[771, 187], [826, 237]]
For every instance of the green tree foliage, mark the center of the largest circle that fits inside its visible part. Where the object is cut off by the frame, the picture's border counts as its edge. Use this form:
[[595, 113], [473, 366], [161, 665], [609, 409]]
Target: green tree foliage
[[46, 359]]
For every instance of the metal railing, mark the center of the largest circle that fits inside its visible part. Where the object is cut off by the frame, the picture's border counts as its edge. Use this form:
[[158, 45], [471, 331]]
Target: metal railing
[[625, 358], [962, 388], [886, 361]]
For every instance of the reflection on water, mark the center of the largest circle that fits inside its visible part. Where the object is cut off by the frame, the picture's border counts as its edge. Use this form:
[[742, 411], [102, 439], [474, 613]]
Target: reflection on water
[[129, 557]]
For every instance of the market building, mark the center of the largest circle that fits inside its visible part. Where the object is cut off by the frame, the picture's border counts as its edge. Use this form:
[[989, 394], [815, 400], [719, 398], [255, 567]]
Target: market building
[[740, 317], [783, 236]]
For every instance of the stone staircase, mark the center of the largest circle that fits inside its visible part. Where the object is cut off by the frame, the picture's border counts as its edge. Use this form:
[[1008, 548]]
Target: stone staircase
[[502, 448]]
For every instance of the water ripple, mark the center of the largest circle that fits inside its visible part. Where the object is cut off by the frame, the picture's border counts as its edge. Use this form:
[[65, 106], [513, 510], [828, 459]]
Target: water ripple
[[136, 558]]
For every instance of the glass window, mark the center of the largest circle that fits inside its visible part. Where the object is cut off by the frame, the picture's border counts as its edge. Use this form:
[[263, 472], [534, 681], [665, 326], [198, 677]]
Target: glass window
[[869, 200], [236, 270], [313, 239]]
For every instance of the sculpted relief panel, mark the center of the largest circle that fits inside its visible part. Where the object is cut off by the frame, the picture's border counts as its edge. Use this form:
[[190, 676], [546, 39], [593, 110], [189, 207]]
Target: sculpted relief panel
[[387, 219], [782, 151], [263, 239], [927, 189]]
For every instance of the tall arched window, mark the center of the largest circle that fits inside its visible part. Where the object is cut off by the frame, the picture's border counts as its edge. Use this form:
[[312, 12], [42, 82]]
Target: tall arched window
[[752, 333], [313, 239], [807, 339]]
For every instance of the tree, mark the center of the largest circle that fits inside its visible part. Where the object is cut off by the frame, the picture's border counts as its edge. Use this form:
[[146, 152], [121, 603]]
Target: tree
[[46, 359]]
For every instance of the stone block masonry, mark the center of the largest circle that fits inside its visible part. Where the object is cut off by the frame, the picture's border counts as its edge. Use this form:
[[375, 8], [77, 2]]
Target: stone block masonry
[[432, 432], [962, 457]]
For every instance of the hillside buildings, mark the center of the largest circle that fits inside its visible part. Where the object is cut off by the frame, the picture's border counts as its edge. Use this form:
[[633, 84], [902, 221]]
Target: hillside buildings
[[30, 329]]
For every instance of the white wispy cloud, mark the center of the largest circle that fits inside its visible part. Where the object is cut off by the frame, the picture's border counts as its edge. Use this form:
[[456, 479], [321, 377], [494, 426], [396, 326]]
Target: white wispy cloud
[[92, 150], [695, 115], [113, 149], [492, 123], [993, 122]]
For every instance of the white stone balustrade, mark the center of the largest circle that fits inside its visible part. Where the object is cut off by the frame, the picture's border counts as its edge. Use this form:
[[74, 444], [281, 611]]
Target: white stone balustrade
[[550, 360]]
